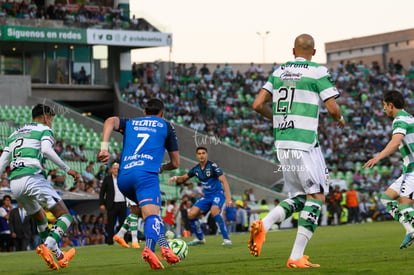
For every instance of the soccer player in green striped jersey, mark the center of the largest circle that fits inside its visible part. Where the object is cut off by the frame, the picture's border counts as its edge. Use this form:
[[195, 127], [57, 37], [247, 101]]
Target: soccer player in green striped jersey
[[24, 152], [296, 89], [399, 196]]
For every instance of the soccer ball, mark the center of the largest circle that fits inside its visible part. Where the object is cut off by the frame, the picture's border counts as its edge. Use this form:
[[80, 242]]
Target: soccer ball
[[179, 247], [169, 235]]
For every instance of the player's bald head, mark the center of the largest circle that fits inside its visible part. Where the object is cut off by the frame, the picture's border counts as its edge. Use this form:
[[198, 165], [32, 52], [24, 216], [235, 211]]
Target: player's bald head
[[304, 45]]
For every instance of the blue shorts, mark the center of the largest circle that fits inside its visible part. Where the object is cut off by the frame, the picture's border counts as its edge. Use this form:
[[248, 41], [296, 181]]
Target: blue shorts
[[141, 187], [208, 201]]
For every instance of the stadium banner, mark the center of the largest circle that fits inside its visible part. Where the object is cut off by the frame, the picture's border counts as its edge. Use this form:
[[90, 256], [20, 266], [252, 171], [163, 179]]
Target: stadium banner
[[128, 38], [36, 34]]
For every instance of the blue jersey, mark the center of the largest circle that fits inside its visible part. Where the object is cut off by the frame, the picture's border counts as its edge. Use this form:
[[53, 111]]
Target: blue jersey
[[208, 177], [145, 141]]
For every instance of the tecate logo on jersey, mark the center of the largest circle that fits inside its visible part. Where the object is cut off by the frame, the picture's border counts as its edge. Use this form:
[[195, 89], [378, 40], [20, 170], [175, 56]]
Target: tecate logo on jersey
[[133, 164], [147, 123]]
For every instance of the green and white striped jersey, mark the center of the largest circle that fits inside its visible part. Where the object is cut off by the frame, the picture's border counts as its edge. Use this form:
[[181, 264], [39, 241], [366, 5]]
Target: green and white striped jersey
[[24, 147], [298, 88], [403, 123]]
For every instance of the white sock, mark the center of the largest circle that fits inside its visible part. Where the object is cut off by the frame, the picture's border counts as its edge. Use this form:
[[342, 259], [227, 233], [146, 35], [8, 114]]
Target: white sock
[[121, 232], [299, 246], [276, 215]]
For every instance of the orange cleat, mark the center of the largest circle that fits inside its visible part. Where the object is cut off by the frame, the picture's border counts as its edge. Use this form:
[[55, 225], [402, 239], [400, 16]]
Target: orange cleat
[[301, 263], [67, 256], [47, 255], [121, 241], [135, 245], [151, 258], [169, 255], [257, 238]]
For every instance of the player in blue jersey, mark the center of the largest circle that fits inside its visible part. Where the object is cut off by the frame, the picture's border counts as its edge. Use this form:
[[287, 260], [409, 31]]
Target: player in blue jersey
[[216, 192], [145, 141]]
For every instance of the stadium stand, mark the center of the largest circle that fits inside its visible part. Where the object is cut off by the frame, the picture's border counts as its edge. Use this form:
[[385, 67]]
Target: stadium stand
[[218, 104], [73, 15]]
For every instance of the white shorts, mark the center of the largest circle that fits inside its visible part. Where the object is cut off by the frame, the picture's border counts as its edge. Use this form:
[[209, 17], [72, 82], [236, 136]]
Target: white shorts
[[34, 192], [404, 185], [303, 172]]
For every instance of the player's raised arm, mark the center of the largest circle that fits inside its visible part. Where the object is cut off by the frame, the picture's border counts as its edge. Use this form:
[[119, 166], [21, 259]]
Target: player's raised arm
[[174, 162], [179, 179], [51, 154], [110, 124], [391, 147]]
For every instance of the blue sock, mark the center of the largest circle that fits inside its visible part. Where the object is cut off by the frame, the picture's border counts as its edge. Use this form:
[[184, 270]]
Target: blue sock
[[219, 220], [162, 241], [152, 229], [196, 227]]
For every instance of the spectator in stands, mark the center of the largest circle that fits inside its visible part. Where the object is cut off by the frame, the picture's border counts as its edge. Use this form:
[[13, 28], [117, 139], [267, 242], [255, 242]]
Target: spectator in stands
[[134, 22], [264, 209], [85, 230], [184, 207], [352, 204], [4, 183], [6, 242], [366, 209], [102, 173], [7, 6], [83, 15], [75, 235], [333, 200], [99, 231], [242, 219], [149, 73], [204, 70], [81, 77], [89, 177], [80, 153], [2, 13], [170, 214], [58, 147], [68, 154], [189, 191]]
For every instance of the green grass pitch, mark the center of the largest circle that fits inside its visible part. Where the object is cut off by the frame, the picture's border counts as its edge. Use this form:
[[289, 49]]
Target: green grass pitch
[[371, 248]]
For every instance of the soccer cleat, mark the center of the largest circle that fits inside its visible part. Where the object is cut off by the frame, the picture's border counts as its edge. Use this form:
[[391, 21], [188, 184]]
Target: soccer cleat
[[196, 242], [227, 242], [121, 241], [408, 240], [169, 255], [301, 263], [257, 238], [135, 245], [47, 255], [151, 258], [67, 256]]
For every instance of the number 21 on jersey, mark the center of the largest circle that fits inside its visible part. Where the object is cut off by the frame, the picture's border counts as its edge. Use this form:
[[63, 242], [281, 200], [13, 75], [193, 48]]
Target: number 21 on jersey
[[283, 100]]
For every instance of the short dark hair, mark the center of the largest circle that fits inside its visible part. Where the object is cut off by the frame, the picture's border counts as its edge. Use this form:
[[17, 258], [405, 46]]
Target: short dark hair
[[394, 97], [154, 106], [6, 197], [42, 110], [201, 148]]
